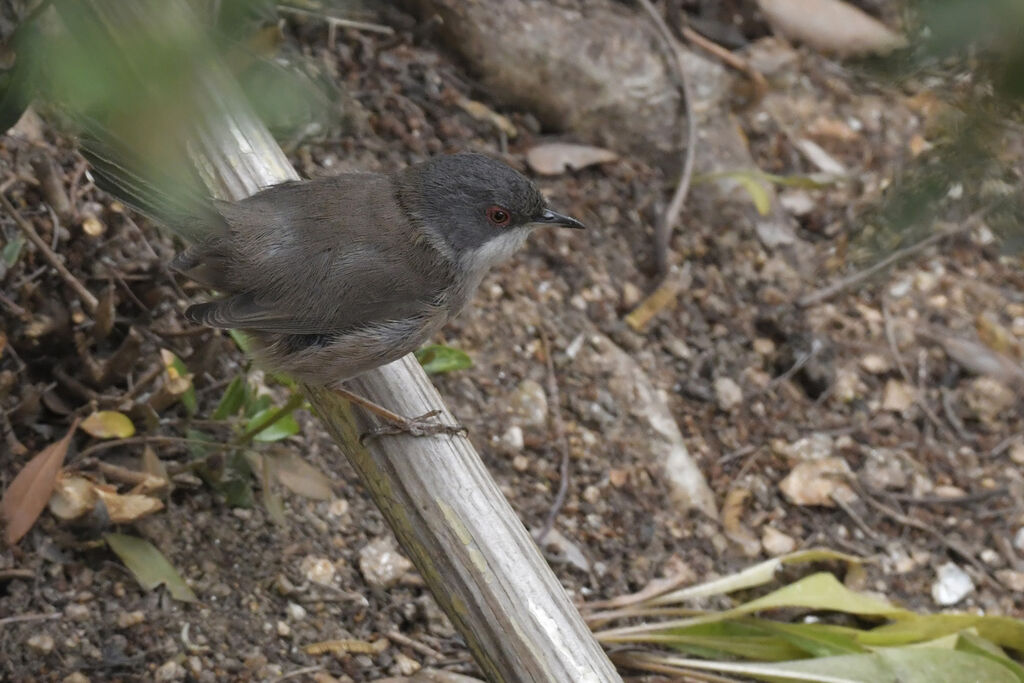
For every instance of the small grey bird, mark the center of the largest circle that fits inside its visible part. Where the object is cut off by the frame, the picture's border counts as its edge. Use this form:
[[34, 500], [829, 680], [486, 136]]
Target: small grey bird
[[336, 276]]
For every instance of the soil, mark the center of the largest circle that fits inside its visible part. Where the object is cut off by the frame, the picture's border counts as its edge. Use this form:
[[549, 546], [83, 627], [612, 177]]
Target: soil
[[890, 376]]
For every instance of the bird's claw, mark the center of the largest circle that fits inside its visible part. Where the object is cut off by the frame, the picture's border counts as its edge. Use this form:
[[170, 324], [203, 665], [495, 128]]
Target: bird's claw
[[421, 425]]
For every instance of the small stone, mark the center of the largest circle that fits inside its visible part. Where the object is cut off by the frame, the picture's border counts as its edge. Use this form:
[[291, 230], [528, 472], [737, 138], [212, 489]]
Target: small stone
[[1017, 452], [512, 440], [898, 396], [728, 394], [520, 463], [763, 346], [1018, 539], [1011, 579], [381, 565], [195, 665], [41, 643], [618, 477], [952, 585], [283, 629], [170, 671], [530, 404], [813, 447], [947, 491], [591, 494], [406, 666], [776, 543], [76, 612], [337, 508], [848, 386], [875, 363], [815, 482], [76, 677], [129, 619], [295, 611], [987, 398], [317, 569], [678, 348], [631, 295]]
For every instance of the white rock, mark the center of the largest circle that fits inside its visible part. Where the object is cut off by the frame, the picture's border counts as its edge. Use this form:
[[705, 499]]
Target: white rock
[[1018, 539], [530, 404], [777, 543], [317, 569], [952, 585], [728, 394], [512, 439], [295, 611], [41, 643], [170, 671], [382, 566], [813, 447]]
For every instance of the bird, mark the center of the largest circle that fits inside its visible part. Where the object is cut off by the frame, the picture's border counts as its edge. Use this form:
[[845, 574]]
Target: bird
[[337, 275]]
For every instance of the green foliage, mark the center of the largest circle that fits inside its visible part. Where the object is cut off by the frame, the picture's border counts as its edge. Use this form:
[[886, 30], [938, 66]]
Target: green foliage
[[437, 359]]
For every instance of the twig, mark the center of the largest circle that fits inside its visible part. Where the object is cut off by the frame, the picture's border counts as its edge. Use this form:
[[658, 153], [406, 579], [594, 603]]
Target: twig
[[132, 440], [955, 500], [17, 573], [423, 649], [87, 298], [842, 284], [730, 58], [13, 307], [338, 21], [663, 229], [559, 429], [30, 617], [919, 396], [804, 359]]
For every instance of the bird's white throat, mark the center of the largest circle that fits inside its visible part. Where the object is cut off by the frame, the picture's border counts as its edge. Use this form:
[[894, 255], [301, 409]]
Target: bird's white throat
[[494, 251]]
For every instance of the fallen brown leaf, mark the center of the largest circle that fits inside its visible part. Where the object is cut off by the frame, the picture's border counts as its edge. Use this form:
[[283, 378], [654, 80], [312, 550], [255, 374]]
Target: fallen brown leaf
[[30, 491]]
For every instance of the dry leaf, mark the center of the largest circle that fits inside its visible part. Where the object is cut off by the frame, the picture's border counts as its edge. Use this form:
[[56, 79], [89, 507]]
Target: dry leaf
[[732, 522], [300, 477], [128, 507], [148, 565], [815, 482], [93, 226], [154, 467], [108, 424], [981, 360], [898, 396], [558, 157], [338, 647], [831, 26], [481, 112], [28, 494]]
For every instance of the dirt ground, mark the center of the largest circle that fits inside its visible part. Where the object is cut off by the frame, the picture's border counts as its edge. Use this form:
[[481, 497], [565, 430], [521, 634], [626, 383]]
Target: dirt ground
[[899, 383]]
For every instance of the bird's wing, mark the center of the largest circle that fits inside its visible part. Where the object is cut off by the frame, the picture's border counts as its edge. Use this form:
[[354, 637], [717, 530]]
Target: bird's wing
[[322, 257]]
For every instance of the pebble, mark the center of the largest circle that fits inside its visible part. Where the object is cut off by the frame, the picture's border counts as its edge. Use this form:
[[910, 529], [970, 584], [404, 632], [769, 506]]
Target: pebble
[[530, 404], [777, 543], [337, 508], [591, 494], [952, 585], [76, 677], [295, 611], [1011, 579], [381, 565], [987, 398], [1018, 539], [76, 612], [406, 666], [317, 569], [41, 643], [815, 482], [170, 671], [283, 629], [520, 463], [512, 440], [129, 619], [813, 447], [728, 394], [1017, 453]]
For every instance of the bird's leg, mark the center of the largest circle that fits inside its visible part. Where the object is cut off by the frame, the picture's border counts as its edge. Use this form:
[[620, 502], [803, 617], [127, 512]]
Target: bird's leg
[[421, 425]]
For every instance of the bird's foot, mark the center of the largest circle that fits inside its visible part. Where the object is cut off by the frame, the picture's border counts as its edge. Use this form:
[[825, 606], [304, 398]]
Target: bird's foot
[[421, 425]]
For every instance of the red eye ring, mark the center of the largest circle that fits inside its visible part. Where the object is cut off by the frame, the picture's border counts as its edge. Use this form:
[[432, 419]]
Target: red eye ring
[[499, 216]]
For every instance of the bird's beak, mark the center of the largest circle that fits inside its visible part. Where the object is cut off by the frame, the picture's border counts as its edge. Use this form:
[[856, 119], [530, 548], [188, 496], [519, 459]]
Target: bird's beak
[[549, 217]]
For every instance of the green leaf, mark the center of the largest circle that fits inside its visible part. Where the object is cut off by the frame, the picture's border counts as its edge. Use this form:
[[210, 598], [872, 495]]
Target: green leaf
[[236, 484], [108, 424], [974, 644], [894, 665], [233, 399], [282, 428], [437, 359], [243, 340], [257, 404], [148, 565], [821, 591], [817, 640], [732, 638], [12, 250], [1003, 631]]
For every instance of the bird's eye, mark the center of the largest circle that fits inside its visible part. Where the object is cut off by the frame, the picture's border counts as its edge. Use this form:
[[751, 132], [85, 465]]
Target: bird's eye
[[498, 216]]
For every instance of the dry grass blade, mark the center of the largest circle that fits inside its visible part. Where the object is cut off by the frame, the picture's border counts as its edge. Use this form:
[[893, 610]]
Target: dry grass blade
[[30, 491]]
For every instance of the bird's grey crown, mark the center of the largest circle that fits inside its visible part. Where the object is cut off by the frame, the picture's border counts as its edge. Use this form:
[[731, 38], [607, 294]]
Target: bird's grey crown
[[449, 195]]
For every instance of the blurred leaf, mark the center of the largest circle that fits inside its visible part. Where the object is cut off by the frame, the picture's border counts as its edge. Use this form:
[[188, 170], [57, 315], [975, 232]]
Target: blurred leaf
[[751, 180], [283, 427], [817, 640], [272, 501], [108, 424], [148, 565], [1003, 631], [200, 444], [300, 477], [237, 482], [12, 250], [821, 591], [257, 404], [233, 399], [153, 466], [974, 644], [756, 575], [124, 508], [437, 359], [732, 638], [893, 665], [177, 371], [242, 340], [29, 492]]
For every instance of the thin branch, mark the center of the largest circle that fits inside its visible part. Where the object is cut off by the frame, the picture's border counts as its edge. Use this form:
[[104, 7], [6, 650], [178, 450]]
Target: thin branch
[[84, 294], [663, 229], [560, 440], [730, 58]]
